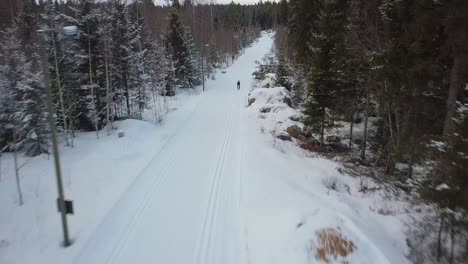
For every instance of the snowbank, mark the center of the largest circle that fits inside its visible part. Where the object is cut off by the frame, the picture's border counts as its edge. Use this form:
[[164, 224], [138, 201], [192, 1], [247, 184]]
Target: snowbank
[[274, 107], [293, 195]]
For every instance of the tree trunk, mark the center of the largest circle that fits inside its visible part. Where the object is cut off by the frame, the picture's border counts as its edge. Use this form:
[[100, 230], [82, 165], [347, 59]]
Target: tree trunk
[[452, 238], [96, 126], [141, 88], [111, 96], [351, 131], [127, 93], [107, 88], [456, 84], [15, 158], [439, 238], [393, 143], [322, 128], [366, 121]]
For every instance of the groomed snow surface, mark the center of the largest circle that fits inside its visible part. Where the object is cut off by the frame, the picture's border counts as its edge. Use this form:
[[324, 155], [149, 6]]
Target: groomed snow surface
[[210, 185]]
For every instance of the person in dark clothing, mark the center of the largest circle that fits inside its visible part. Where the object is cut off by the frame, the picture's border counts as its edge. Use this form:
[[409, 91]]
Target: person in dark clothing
[[238, 85]]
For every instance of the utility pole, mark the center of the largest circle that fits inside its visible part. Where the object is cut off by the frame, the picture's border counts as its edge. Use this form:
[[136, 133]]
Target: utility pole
[[53, 128]]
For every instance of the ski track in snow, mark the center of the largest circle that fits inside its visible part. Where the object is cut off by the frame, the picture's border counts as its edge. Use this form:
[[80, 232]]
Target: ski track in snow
[[147, 200], [185, 206], [207, 236]]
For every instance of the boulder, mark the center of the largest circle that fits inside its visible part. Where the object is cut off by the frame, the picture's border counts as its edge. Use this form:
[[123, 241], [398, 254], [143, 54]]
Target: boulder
[[288, 101], [338, 147], [294, 131], [402, 169], [333, 139], [265, 109], [313, 140], [310, 144], [251, 101], [284, 136], [295, 118], [301, 138]]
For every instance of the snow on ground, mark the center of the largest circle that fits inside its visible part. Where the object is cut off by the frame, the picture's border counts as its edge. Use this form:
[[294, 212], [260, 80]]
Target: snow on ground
[[273, 103], [288, 197], [95, 174], [206, 186]]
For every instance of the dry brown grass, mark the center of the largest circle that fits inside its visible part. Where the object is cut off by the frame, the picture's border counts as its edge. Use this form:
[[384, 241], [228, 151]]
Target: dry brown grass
[[330, 243]]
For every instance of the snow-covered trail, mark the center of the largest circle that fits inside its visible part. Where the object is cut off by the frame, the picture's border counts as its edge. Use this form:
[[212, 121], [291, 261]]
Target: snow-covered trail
[[211, 185], [184, 207]]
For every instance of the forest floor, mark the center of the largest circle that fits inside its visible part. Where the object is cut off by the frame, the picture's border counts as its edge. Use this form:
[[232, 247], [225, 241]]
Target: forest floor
[[206, 186]]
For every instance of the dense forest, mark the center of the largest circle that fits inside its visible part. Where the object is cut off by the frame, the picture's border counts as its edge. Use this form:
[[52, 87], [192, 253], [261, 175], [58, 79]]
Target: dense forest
[[406, 63], [124, 58]]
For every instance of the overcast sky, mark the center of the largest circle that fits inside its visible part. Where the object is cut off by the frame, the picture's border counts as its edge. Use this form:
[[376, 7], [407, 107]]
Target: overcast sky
[[238, 1], [218, 1]]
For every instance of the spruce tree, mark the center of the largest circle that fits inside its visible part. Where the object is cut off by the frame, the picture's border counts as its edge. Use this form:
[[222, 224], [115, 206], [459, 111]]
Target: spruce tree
[[179, 43], [24, 111], [302, 22], [120, 38], [84, 54], [282, 72], [11, 73], [27, 23], [328, 76], [61, 70], [33, 119]]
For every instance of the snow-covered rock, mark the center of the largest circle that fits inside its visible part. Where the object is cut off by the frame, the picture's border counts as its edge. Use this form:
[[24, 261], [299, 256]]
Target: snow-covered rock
[[281, 114], [269, 81], [442, 187], [294, 130], [284, 136]]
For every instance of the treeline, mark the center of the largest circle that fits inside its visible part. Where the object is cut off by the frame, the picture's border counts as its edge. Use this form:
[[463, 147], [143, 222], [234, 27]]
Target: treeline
[[405, 62], [124, 58]]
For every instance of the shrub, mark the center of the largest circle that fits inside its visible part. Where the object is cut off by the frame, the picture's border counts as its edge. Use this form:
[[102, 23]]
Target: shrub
[[330, 243]]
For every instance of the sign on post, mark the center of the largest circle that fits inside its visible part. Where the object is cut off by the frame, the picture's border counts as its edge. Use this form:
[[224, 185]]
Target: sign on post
[[68, 206]]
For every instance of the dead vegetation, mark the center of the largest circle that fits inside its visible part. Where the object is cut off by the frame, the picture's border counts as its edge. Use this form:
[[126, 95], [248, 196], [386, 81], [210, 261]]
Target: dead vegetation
[[331, 244]]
